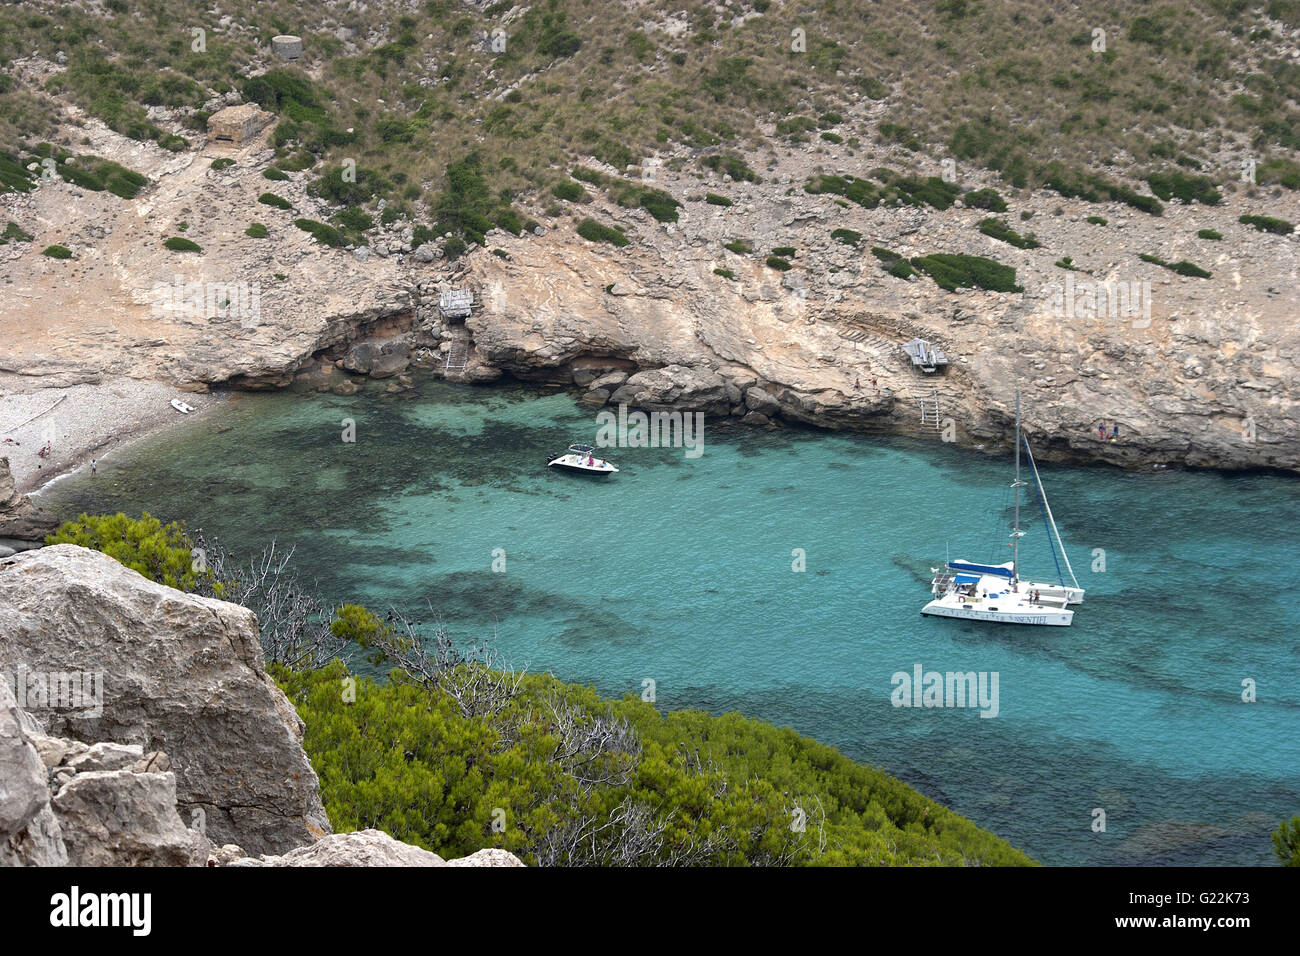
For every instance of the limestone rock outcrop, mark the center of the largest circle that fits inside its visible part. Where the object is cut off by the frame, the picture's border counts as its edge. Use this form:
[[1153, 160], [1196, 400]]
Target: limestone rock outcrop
[[65, 803], [21, 521], [180, 674], [368, 848], [675, 386], [125, 818], [29, 833]]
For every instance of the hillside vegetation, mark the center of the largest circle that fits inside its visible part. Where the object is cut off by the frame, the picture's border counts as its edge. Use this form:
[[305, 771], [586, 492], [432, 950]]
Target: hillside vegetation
[[469, 114]]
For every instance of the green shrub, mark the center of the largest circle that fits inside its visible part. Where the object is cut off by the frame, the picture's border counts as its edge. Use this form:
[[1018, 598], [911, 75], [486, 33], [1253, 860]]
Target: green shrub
[[1209, 234], [1096, 220], [324, 234], [256, 231], [725, 273], [846, 236], [297, 161], [1183, 268], [1268, 224], [1184, 186], [274, 174], [832, 138], [570, 192], [14, 175], [161, 553], [360, 186], [1071, 182], [716, 200], [795, 126], [901, 269], [998, 229], [985, 199], [57, 252], [593, 231], [860, 191], [786, 252], [14, 233], [954, 271], [660, 204], [225, 162], [354, 219], [181, 244], [554, 39], [776, 262], [271, 199], [731, 165], [1284, 172], [93, 173], [467, 206], [454, 247], [931, 191], [1286, 842], [739, 247]]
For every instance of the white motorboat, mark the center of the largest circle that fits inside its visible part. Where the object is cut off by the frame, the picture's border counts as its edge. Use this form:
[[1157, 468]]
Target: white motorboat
[[181, 407], [581, 458], [995, 592]]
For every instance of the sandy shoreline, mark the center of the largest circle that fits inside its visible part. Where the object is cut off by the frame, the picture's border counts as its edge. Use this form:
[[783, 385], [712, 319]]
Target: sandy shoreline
[[82, 422]]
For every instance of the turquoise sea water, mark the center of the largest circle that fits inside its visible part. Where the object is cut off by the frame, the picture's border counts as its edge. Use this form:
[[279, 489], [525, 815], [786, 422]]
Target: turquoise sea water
[[680, 571]]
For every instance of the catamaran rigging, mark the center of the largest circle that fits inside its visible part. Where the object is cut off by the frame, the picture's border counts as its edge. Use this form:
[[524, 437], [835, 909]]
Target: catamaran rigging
[[995, 592]]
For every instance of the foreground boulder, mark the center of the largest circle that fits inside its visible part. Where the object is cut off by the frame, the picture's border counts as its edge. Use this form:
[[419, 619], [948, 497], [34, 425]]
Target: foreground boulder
[[125, 818], [367, 848], [64, 803], [29, 833], [180, 673]]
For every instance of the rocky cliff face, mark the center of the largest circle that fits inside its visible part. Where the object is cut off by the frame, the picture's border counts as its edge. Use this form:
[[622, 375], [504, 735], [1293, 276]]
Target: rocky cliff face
[[1206, 373], [137, 728], [22, 523], [63, 802], [365, 848], [164, 671]]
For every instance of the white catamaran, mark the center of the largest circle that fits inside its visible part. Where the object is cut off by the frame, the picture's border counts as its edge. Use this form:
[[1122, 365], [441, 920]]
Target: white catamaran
[[995, 592]]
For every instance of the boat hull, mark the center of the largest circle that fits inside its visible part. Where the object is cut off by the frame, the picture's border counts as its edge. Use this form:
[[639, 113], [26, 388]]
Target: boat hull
[[1041, 616], [580, 467]]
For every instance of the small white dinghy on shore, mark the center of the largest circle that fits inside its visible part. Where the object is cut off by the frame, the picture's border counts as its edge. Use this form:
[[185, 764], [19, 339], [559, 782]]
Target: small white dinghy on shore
[[581, 458], [181, 406]]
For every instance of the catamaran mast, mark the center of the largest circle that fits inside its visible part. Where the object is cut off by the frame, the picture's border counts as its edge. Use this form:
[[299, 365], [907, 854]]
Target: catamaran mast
[[1017, 485]]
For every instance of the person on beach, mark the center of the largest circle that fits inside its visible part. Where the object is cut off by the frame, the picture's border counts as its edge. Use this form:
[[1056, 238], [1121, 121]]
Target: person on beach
[[1101, 431], [92, 468], [1114, 432]]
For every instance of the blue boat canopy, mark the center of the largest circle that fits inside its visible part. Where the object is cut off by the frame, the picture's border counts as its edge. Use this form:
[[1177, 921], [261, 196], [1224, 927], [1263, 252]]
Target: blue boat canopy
[[980, 568], [967, 579]]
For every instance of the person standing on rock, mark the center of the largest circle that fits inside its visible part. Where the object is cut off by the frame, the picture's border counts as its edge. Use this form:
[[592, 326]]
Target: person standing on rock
[[1114, 432]]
